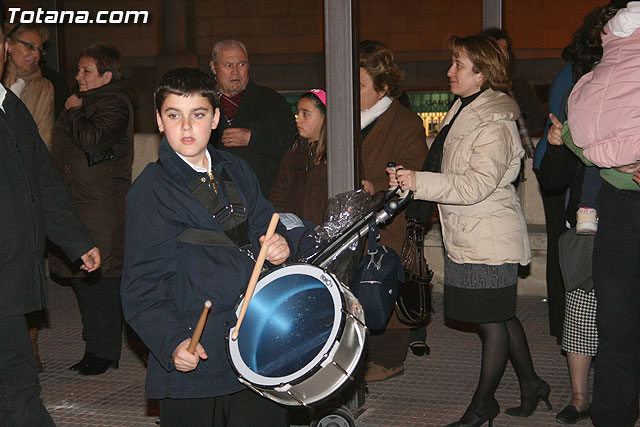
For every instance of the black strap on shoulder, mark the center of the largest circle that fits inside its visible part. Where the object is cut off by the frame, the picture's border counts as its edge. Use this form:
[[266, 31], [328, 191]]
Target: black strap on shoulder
[[231, 218], [202, 237]]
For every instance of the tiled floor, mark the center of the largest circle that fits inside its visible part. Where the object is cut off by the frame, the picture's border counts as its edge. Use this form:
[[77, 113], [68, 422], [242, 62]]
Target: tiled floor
[[434, 390]]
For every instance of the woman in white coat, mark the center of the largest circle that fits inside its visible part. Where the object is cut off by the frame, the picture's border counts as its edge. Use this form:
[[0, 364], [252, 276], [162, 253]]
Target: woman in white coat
[[483, 227]]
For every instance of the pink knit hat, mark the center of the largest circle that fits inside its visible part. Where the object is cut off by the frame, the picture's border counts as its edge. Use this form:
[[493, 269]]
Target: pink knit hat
[[321, 94]]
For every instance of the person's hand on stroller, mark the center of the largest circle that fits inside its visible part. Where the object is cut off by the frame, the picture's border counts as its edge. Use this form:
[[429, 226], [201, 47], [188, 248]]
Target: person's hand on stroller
[[405, 178], [368, 186]]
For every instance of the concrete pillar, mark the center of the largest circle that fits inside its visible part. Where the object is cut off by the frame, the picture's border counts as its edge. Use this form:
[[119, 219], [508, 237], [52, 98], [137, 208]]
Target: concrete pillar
[[343, 99], [175, 36], [491, 13]]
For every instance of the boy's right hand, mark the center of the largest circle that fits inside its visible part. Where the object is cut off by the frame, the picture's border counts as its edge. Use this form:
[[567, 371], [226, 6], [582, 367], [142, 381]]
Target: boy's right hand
[[185, 361]]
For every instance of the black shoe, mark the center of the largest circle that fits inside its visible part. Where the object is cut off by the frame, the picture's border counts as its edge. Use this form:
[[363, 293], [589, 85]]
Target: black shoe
[[473, 418], [420, 348], [88, 357], [98, 366], [528, 404], [571, 415]]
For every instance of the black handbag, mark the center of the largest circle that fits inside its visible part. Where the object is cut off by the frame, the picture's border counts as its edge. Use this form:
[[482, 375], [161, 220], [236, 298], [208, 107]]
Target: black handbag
[[413, 303]]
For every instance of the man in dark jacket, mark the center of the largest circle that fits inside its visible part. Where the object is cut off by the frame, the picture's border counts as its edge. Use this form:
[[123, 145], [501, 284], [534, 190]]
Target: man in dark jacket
[[35, 204], [256, 123]]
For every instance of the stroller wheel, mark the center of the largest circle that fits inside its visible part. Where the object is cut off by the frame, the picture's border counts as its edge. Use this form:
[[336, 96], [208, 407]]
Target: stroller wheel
[[334, 417]]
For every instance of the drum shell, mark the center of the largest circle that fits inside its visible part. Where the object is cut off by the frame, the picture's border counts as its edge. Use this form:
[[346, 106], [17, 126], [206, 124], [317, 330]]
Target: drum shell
[[334, 366]]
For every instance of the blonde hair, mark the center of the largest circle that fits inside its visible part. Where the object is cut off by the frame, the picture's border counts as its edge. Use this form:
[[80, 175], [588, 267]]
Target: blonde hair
[[488, 58], [18, 29], [383, 70]]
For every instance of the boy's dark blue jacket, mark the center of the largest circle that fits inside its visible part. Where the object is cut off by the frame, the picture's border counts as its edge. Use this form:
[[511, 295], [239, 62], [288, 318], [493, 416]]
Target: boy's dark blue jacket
[[166, 282]]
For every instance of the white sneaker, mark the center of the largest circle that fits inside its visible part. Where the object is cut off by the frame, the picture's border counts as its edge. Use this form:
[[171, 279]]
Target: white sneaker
[[586, 221]]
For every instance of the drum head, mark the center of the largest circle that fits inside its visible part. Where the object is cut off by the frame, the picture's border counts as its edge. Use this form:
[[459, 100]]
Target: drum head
[[291, 322]]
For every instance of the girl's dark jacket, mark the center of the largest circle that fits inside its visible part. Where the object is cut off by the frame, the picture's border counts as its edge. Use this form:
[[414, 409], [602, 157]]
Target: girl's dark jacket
[[34, 204], [92, 148], [301, 186], [165, 281]]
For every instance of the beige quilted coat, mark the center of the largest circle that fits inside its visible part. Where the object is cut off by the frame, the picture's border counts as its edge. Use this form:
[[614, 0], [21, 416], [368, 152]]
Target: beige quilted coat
[[481, 217]]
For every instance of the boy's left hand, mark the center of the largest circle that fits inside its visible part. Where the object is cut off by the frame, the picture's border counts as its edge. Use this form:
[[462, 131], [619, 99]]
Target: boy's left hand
[[185, 361], [277, 249]]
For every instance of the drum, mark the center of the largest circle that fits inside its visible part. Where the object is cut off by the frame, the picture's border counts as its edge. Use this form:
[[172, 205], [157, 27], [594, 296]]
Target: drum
[[301, 338]]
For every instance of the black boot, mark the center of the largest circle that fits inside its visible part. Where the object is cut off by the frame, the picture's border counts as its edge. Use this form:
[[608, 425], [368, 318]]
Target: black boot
[[528, 404], [98, 366], [473, 418], [88, 357]]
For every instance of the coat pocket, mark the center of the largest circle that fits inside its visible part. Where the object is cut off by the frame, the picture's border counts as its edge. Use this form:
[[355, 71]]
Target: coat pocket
[[466, 231]]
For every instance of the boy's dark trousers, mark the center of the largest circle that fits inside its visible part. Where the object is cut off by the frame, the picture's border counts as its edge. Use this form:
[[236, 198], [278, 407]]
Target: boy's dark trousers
[[241, 409], [20, 403]]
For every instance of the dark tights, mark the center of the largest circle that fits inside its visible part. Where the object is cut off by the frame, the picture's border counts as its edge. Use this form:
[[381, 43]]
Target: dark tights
[[499, 341]]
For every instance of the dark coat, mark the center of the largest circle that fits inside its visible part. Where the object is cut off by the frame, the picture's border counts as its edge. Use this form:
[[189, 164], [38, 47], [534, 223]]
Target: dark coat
[[34, 203], [165, 282], [273, 128], [100, 132], [397, 136], [301, 186]]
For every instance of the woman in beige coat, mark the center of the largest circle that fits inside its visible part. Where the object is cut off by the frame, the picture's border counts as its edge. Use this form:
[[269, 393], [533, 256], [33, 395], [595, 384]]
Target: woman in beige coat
[[483, 227], [23, 76]]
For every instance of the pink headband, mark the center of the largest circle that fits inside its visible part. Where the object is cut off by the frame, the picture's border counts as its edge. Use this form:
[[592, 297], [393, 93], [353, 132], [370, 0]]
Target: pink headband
[[321, 94]]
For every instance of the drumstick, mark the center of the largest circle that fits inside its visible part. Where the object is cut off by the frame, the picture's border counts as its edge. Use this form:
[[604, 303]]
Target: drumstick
[[195, 339], [256, 273]]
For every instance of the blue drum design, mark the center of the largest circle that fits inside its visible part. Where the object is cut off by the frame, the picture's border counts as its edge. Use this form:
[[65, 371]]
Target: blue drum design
[[296, 312]]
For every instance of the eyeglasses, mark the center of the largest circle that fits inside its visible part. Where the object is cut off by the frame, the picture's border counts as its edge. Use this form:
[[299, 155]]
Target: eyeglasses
[[32, 47]]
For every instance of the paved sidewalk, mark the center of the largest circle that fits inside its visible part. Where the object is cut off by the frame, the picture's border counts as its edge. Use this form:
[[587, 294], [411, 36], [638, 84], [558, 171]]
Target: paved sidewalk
[[434, 390]]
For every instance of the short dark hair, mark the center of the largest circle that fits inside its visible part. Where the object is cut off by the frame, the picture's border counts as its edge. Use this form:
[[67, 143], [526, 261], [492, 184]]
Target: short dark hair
[[368, 46], [185, 82], [108, 58], [500, 34]]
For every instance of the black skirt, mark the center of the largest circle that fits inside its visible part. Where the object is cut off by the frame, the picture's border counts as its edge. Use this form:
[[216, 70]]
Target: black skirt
[[480, 293], [480, 305]]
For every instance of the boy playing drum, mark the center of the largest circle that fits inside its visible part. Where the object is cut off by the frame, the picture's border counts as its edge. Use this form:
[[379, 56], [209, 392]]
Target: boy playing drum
[[194, 220]]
